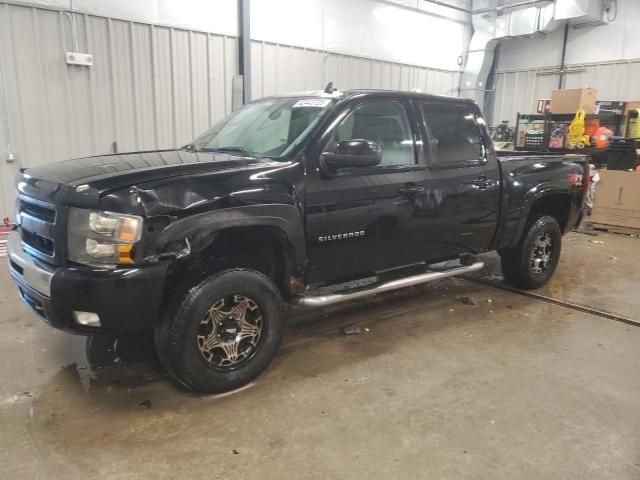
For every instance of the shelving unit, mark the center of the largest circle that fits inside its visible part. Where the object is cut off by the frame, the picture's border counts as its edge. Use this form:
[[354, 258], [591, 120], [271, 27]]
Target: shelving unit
[[541, 142]]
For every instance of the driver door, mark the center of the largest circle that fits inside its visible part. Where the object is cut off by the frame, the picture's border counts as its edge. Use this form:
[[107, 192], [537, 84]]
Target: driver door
[[361, 220]]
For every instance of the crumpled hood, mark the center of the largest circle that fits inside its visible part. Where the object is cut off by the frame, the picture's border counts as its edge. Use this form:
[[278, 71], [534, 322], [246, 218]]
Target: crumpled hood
[[107, 172], [130, 182]]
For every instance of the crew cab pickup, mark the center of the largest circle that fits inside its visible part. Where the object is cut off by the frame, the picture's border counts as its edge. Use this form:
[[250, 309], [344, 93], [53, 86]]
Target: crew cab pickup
[[288, 199]]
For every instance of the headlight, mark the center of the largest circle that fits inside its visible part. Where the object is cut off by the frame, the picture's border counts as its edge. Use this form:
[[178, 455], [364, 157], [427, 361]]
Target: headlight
[[103, 239]]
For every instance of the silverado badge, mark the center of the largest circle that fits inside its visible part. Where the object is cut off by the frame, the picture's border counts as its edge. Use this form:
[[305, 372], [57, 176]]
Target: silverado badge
[[340, 236]]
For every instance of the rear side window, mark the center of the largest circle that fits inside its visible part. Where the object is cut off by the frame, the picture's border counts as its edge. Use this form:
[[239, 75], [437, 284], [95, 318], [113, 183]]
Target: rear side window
[[453, 134]]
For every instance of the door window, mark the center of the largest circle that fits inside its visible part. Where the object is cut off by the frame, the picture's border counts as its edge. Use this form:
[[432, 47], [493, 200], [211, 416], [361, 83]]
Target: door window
[[453, 134], [383, 122]]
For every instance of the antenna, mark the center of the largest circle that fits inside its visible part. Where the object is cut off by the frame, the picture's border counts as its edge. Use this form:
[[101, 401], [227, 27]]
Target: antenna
[[329, 88]]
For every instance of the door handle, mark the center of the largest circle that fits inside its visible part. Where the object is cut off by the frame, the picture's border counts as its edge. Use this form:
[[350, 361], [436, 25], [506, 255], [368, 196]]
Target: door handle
[[481, 182], [411, 189]]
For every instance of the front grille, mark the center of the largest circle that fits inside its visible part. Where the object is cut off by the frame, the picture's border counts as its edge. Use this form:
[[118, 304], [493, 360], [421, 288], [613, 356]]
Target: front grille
[[37, 211], [40, 226], [38, 242]]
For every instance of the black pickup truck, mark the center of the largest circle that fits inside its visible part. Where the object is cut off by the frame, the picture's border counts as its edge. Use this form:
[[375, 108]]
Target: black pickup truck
[[289, 199]]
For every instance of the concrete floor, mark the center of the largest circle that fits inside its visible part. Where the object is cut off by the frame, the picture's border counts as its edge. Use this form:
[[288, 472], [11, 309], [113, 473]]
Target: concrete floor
[[509, 388]]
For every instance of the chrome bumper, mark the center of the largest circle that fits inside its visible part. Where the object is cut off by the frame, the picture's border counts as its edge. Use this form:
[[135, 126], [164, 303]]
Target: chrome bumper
[[25, 269]]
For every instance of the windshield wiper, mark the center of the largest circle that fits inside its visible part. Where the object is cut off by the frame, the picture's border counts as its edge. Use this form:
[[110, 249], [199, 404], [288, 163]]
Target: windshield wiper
[[241, 150]]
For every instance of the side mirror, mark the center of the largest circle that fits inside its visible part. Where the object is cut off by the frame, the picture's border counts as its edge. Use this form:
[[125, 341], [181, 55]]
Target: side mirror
[[354, 153]]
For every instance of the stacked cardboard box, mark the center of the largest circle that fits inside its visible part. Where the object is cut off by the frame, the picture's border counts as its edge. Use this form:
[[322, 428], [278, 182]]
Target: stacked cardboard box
[[571, 100], [617, 199]]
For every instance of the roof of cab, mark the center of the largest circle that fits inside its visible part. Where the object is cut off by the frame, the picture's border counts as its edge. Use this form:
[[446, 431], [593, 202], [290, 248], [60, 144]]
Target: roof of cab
[[343, 94]]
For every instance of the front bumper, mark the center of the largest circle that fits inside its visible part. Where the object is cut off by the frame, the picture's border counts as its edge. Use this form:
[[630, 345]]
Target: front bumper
[[127, 300]]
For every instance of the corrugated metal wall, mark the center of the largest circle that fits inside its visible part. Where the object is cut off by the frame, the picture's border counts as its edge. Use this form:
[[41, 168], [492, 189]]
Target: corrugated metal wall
[[282, 68], [150, 86], [518, 91]]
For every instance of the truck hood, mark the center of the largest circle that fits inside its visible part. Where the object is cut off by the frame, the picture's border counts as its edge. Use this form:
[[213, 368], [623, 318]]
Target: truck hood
[[90, 182], [107, 172]]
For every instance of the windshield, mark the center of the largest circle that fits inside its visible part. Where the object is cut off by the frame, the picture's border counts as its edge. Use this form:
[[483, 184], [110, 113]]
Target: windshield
[[266, 128]]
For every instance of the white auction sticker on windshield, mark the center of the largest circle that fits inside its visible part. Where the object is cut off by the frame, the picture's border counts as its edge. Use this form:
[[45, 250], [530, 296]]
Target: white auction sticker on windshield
[[312, 102]]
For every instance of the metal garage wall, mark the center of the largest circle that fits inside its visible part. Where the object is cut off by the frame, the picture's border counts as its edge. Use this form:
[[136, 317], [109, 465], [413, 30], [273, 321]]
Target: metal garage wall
[[412, 32], [519, 90], [280, 68], [605, 57], [150, 87]]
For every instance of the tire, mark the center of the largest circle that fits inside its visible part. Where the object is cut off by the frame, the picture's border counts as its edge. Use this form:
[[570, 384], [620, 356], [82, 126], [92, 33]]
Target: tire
[[223, 332], [531, 263]]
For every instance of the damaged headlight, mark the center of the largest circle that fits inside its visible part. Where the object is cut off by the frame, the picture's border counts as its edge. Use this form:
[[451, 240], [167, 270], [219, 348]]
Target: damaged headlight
[[102, 239]]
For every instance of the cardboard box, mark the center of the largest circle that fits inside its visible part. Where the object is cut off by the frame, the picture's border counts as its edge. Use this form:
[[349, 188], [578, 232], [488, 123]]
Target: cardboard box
[[570, 101], [617, 199]]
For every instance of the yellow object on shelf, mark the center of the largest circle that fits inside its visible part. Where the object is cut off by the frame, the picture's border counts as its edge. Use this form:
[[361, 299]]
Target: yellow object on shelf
[[576, 137], [633, 123]]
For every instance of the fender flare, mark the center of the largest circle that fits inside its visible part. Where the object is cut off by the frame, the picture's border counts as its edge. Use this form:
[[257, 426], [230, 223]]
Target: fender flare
[[285, 217], [531, 197]]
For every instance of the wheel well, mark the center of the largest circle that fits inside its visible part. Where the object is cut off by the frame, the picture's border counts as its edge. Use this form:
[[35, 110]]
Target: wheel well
[[556, 205], [265, 249]]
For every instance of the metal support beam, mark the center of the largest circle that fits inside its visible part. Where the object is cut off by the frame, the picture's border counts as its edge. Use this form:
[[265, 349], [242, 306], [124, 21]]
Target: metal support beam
[[512, 6], [244, 48], [564, 55], [448, 5], [498, 9]]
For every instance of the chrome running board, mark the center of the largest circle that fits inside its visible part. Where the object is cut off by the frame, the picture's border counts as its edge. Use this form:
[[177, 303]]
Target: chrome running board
[[380, 287]]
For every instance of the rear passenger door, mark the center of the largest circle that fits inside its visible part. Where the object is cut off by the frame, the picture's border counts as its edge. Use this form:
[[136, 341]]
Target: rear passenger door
[[463, 190]]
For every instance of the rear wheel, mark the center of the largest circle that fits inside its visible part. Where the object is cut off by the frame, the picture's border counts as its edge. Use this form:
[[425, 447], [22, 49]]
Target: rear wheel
[[223, 333], [533, 261]]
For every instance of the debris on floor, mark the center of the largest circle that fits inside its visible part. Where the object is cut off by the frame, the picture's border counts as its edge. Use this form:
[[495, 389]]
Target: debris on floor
[[468, 301], [17, 398], [597, 242], [353, 330]]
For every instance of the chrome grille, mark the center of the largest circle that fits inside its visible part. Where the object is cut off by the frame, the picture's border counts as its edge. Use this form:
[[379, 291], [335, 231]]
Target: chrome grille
[[40, 243], [38, 211], [39, 226]]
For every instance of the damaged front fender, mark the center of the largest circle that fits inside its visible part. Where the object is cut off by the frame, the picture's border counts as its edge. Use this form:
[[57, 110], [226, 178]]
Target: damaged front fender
[[205, 225], [183, 214]]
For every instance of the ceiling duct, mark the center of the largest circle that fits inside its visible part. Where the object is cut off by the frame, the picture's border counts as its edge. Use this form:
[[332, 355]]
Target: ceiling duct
[[494, 21], [580, 12]]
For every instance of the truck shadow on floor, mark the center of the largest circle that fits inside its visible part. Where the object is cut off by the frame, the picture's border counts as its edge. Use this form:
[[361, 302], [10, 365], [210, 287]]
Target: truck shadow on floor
[[126, 363]]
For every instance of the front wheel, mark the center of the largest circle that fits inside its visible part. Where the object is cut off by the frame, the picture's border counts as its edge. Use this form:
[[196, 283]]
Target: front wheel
[[531, 263], [223, 333]]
